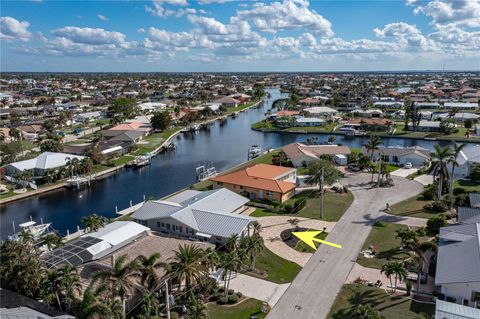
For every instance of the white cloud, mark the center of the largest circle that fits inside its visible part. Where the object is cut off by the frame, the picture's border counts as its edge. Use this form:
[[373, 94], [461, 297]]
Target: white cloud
[[102, 17], [286, 15], [457, 12], [11, 29], [208, 25], [166, 8], [90, 35]]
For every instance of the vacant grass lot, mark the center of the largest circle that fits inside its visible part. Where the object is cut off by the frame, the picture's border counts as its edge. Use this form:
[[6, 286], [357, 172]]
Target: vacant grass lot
[[334, 205], [243, 310], [382, 238], [279, 270], [352, 295]]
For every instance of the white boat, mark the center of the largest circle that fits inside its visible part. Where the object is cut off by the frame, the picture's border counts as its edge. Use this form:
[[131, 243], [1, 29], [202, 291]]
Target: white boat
[[255, 151], [30, 227]]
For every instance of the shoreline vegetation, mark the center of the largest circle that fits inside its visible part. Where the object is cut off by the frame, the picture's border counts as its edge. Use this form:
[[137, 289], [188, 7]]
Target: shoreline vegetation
[[330, 129], [159, 141]]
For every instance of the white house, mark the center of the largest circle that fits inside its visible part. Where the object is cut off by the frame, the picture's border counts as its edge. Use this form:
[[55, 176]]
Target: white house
[[309, 121], [388, 104], [469, 157], [87, 116], [466, 106], [427, 105], [41, 163], [460, 117], [458, 264], [321, 111], [398, 155], [450, 310]]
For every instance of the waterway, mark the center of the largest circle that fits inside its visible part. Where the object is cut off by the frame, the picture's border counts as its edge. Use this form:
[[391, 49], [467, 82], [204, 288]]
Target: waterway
[[224, 144]]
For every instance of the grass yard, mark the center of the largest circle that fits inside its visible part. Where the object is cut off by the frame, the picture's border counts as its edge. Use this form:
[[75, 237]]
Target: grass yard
[[352, 295], [314, 129], [123, 159], [9, 193], [243, 310], [469, 186], [304, 248], [382, 238], [413, 207], [334, 205], [279, 270]]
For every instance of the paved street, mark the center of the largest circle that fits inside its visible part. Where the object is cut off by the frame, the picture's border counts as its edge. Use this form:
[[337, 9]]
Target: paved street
[[313, 291]]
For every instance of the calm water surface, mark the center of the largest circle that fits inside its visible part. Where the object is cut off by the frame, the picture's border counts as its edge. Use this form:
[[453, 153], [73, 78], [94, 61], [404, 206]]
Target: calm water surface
[[224, 144]]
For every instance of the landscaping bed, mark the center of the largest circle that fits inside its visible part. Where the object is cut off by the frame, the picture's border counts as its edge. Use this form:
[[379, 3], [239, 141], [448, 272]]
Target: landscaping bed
[[242, 310], [295, 243]]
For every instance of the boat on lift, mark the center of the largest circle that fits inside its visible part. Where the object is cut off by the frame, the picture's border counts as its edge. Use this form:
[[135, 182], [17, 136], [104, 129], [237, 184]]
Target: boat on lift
[[31, 228], [255, 151]]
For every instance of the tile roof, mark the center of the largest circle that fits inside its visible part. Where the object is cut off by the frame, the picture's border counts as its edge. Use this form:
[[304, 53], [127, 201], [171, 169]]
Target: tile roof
[[296, 150], [260, 176], [458, 258]]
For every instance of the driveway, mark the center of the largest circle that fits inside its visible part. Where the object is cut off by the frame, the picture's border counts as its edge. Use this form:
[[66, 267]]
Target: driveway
[[313, 291], [258, 288], [404, 172], [424, 179], [272, 226]]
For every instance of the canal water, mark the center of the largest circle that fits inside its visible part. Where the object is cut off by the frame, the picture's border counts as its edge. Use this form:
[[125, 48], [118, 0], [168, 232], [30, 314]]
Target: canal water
[[223, 144]]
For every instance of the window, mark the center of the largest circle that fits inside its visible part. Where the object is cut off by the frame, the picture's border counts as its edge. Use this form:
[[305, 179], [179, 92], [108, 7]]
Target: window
[[385, 158], [180, 229], [220, 183], [395, 159], [163, 225], [241, 187], [168, 226], [158, 224]]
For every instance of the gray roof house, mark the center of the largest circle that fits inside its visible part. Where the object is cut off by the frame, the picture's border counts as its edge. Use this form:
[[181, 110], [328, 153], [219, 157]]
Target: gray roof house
[[208, 216], [474, 199], [458, 263], [41, 163], [469, 157], [399, 155], [450, 310], [468, 215]]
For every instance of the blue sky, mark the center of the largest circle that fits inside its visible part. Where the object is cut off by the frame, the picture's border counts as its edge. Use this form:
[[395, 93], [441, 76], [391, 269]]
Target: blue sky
[[222, 35]]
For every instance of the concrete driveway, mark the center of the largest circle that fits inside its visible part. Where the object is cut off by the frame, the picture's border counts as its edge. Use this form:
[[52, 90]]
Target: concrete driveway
[[313, 291], [404, 172], [258, 288], [424, 179]]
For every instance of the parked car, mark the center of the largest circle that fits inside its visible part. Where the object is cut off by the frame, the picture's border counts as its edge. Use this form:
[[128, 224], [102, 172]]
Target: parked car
[[408, 165], [354, 168]]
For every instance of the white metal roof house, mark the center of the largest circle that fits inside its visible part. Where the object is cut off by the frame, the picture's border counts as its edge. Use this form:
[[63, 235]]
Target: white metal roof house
[[309, 121], [320, 111], [399, 155], [467, 159], [461, 106], [96, 245], [41, 163], [458, 263], [450, 310], [208, 216]]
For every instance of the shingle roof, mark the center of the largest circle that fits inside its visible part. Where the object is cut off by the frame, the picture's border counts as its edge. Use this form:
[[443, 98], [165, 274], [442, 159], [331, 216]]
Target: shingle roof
[[260, 176], [458, 258]]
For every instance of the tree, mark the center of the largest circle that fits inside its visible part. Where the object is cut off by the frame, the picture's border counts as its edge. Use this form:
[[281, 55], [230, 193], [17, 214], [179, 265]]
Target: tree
[[51, 145], [96, 154], [371, 146], [440, 158], [52, 241], [86, 166], [69, 285], [394, 268], [150, 304], [229, 261], [293, 223], [120, 279], [125, 107], [186, 266], [366, 312], [148, 268], [330, 174], [435, 223], [253, 246], [92, 306], [455, 153], [161, 120], [468, 124], [93, 222], [73, 165]]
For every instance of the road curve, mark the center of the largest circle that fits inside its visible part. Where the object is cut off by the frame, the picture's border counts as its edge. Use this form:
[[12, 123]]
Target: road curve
[[313, 291]]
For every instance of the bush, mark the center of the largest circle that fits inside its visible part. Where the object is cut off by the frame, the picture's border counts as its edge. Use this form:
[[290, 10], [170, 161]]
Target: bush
[[232, 299], [435, 223], [459, 190], [429, 192], [231, 291], [239, 294], [462, 200], [436, 207], [174, 315], [222, 300]]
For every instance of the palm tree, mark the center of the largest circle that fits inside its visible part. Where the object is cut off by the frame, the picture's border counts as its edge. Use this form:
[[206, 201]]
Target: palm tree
[[211, 259], [150, 305], [148, 268], [396, 269], [419, 249], [229, 262], [120, 279], [186, 266], [439, 167], [371, 146], [456, 149], [93, 222], [52, 241], [92, 306], [69, 285], [252, 245]]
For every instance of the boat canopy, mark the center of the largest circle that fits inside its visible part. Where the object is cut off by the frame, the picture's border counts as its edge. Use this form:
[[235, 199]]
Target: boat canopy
[[27, 224]]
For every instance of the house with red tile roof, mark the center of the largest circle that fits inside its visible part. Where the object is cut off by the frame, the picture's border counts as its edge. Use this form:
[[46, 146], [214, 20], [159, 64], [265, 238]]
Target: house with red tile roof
[[261, 181]]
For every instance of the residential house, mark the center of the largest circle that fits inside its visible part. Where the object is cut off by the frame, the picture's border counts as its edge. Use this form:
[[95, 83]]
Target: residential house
[[468, 215], [5, 135], [211, 216], [318, 111], [309, 121], [261, 181], [30, 132], [427, 105], [369, 124], [136, 130], [88, 116], [389, 104], [310, 101], [426, 126], [450, 310], [374, 114], [302, 154], [463, 106], [468, 157], [228, 101], [43, 162], [459, 117], [458, 264], [398, 155]]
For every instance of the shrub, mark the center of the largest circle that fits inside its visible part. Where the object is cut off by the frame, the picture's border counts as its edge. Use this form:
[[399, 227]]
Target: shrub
[[231, 291], [429, 192], [435, 223], [436, 207], [239, 294], [459, 190], [232, 299], [462, 200], [222, 300], [174, 315]]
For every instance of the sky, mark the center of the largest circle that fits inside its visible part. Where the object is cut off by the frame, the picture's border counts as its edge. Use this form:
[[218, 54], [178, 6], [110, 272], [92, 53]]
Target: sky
[[239, 36]]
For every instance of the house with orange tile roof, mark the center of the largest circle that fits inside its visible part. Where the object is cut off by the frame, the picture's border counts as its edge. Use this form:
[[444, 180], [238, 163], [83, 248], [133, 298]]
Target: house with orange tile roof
[[134, 131], [261, 181]]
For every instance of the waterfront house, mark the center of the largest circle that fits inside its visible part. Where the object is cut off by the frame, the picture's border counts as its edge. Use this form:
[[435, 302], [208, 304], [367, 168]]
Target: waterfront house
[[228, 101], [459, 117], [468, 157], [426, 126], [389, 104], [369, 124], [458, 264], [309, 121], [211, 216], [310, 101], [374, 114], [302, 154], [318, 111], [261, 181], [136, 131], [88, 116], [399, 155], [38, 165]]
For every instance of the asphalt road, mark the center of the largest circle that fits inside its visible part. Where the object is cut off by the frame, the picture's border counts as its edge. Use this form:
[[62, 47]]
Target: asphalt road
[[313, 291]]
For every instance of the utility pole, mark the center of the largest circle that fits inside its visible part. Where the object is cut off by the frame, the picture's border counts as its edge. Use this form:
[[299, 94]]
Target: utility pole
[[322, 178], [167, 299]]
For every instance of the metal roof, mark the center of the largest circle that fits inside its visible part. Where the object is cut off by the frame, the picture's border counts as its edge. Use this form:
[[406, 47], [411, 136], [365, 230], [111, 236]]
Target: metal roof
[[222, 225], [45, 160], [468, 215], [458, 258], [450, 310], [474, 199]]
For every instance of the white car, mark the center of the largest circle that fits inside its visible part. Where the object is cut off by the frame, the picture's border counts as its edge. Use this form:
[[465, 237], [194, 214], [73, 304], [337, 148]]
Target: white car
[[407, 165]]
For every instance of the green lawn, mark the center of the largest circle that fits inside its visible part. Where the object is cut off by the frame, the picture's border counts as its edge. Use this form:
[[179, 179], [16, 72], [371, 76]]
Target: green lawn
[[382, 238], [10, 192], [334, 206], [469, 186], [243, 310], [352, 295], [123, 159], [279, 270], [413, 207], [314, 129], [304, 248]]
